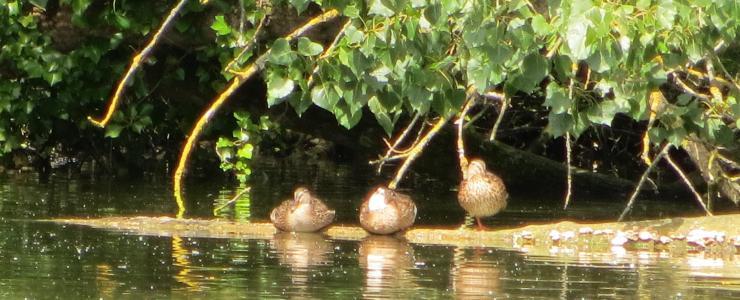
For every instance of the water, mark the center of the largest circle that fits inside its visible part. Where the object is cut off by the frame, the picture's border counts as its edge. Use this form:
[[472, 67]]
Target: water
[[47, 260]]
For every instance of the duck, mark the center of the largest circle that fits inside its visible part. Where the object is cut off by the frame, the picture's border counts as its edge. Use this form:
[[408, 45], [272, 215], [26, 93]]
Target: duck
[[303, 213], [481, 193], [386, 211]]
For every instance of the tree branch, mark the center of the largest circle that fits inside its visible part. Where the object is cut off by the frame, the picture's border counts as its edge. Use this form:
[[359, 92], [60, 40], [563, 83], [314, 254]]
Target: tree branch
[[688, 183], [135, 63], [416, 150], [392, 148], [642, 181], [236, 82]]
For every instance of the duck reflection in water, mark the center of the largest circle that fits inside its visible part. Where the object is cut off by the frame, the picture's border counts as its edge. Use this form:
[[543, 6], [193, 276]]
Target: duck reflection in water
[[475, 275], [386, 261], [302, 252]]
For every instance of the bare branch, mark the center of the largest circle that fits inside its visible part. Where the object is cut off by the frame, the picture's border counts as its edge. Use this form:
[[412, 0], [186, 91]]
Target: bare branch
[[504, 106], [568, 160], [688, 183], [392, 148], [135, 63], [416, 151], [642, 180]]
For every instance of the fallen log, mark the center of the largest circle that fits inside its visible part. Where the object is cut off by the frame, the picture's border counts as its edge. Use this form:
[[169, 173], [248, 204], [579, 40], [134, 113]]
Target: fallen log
[[537, 238]]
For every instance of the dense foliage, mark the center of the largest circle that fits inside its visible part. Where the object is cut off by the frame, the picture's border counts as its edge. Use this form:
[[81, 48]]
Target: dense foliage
[[589, 60]]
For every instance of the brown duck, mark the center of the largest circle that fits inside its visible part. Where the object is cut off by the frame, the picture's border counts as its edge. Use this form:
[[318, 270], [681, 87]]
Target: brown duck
[[481, 193], [386, 211], [303, 213]]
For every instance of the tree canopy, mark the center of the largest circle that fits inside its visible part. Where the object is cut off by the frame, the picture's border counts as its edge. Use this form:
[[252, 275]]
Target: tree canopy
[[671, 62]]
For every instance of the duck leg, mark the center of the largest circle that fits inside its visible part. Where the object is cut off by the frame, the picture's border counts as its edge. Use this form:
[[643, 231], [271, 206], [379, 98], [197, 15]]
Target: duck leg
[[480, 224]]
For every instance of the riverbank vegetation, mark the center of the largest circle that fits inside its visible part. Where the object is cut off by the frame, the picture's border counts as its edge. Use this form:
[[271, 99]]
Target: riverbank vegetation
[[615, 88]]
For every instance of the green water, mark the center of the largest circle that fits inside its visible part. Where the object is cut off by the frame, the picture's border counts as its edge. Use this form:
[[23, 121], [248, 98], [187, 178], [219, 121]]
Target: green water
[[40, 260]]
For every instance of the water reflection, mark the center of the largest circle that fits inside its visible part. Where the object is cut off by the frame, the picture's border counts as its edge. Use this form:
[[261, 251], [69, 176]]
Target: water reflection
[[181, 255], [302, 251], [475, 275], [386, 261]]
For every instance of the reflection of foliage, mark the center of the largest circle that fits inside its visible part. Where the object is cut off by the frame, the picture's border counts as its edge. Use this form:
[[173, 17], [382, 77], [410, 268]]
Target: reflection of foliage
[[242, 204]]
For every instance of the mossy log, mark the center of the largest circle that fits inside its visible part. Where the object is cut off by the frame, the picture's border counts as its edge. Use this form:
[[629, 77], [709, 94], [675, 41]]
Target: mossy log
[[539, 234]]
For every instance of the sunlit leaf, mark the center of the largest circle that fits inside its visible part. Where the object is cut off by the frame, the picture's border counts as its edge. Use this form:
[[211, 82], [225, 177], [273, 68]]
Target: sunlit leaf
[[308, 48], [220, 26]]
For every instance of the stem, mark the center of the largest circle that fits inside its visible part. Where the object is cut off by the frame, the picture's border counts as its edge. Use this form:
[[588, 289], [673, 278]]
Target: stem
[[460, 140], [395, 145], [569, 169], [248, 46], [416, 150], [688, 183], [135, 63], [504, 105], [326, 53], [642, 181]]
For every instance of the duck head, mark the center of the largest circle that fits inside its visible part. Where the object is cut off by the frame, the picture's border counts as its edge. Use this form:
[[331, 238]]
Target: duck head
[[476, 167], [378, 199], [301, 196]]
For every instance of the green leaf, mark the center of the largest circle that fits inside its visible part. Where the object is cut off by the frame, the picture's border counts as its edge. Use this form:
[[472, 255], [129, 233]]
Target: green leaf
[[576, 38], [113, 130], [346, 117], [377, 7], [278, 88], [220, 26], [381, 114], [39, 3], [308, 48], [558, 124], [324, 97], [534, 68], [477, 75], [557, 99], [540, 25], [353, 35], [245, 151], [603, 113], [123, 22], [280, 53], [300, 5], [666, 13]]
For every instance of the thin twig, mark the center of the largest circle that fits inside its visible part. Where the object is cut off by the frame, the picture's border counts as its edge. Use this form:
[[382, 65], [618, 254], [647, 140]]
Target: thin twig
[[569, 169], [688, 90], [642, 181], [248, 46], [395, 145], [238, 195], [688, 183], [477, 116], [494, 96], [327, 52], [135, 63], [416, 151], [504, 105], [554, 48], [460, 125]]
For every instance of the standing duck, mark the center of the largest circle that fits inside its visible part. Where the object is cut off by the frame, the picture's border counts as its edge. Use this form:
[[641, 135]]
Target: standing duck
[[481, 193], [303, 213], [387, 211]]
